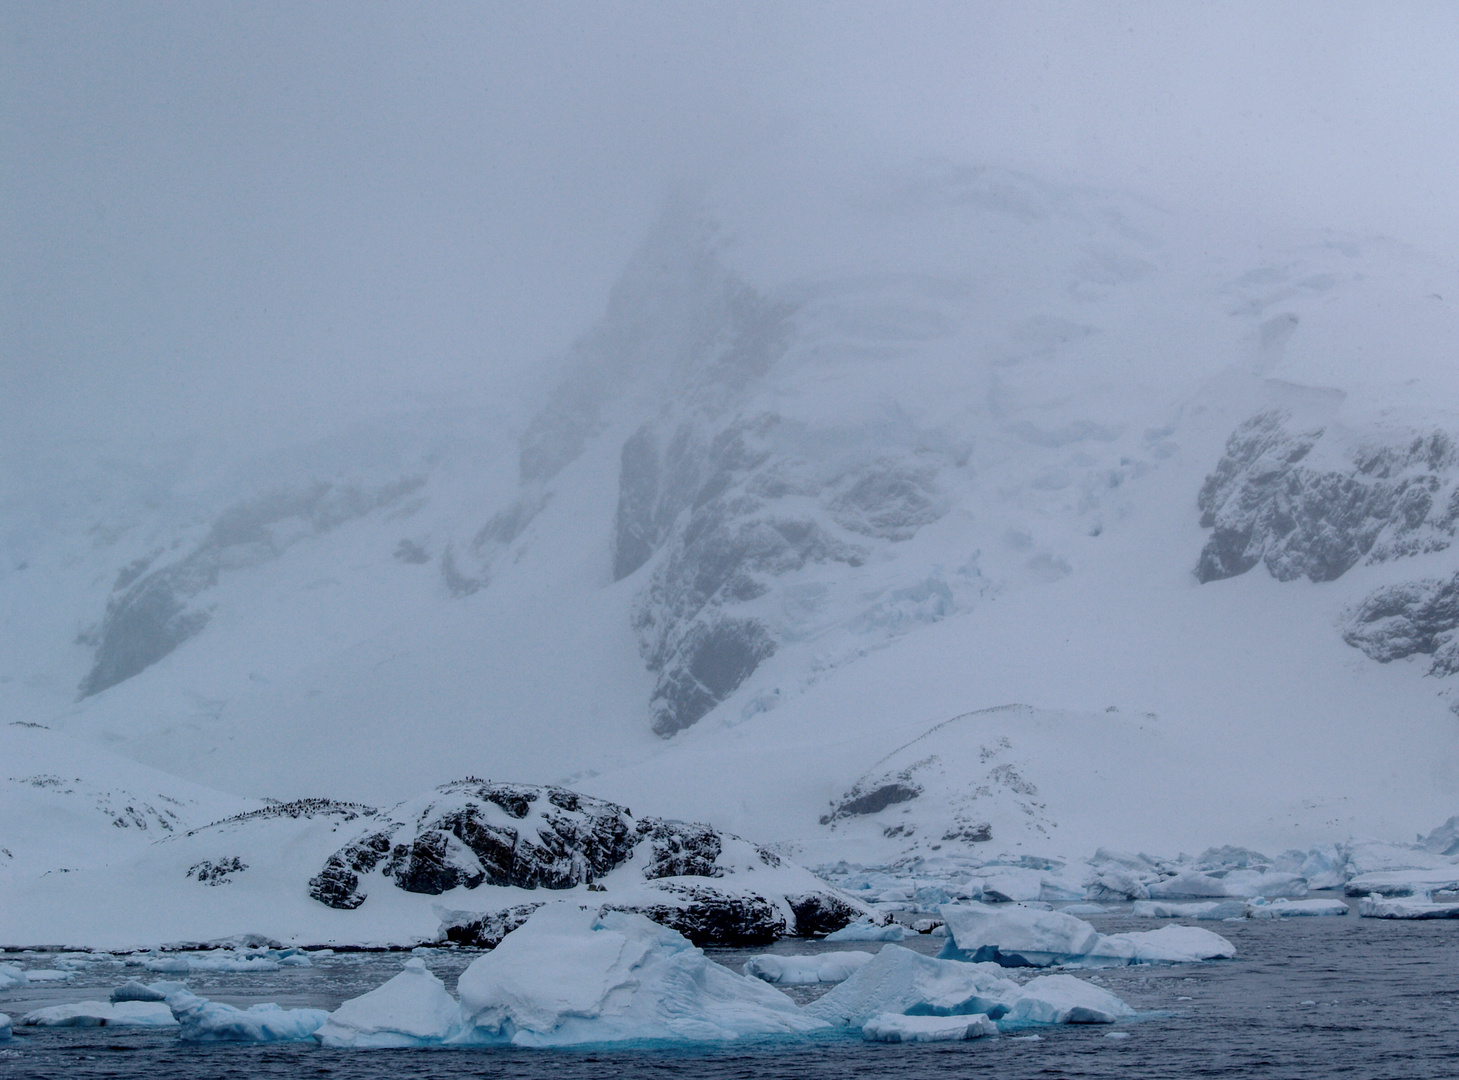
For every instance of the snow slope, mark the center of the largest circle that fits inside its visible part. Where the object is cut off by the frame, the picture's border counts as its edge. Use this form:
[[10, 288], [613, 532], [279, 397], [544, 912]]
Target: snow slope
[[899, 482]]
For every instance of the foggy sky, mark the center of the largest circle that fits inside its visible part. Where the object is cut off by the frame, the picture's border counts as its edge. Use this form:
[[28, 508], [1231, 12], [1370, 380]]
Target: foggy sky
[[253, 219]]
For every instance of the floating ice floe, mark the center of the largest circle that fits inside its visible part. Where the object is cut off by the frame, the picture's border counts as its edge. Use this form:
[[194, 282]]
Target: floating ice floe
[[806, 970], [132, 990], [1258, 908], [1242, 884], [152, 1014], [219, 960], [1063, 999], [412, 1009], [865, 929], [1286, 909], [1000, 884], [1409, 882], [901, 982], [1084, 909], [12, 976], [212, 1021], [1380, 907], [4, 1027], [569, 975], [1203, 909], [1018, 936], [894, 1028], [43, 975]]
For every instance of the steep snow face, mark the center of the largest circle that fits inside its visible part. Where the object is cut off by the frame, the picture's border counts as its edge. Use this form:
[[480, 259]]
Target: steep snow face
[[67, 806], [153, 611]]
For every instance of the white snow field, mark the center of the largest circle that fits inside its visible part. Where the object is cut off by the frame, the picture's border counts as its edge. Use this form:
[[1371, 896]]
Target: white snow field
[[943, 519]]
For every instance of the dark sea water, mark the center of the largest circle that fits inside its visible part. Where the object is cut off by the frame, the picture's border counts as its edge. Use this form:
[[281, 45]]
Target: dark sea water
[[1307, 997]]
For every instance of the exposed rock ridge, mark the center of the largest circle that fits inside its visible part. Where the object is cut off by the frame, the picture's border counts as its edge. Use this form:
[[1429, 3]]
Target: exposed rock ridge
[[1267, 503], [1413, 618]]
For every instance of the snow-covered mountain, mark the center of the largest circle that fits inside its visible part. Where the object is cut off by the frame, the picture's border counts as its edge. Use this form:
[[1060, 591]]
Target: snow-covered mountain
[[944, 511]]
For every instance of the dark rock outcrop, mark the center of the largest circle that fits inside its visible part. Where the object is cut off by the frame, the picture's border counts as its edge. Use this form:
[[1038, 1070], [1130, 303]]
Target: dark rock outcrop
[[1416, 617], [474, 832], [862, 800], [817, 914], [680, 849], [486, 929], [709, 916], [1265, 502]]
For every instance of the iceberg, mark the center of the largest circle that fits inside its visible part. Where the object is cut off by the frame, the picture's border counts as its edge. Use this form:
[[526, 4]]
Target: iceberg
[[893, 1028], [1169, 945], [806, 970], [40, 975], [898, 980], [218, 960], [412, 1009], [212, 1021], [866, 930], [132, 990], [1009, 884], [1286, 909], [152, 1014], [901, 983], [4, 1027], [570, 976], [1207, 909], [1409, 882], [1017, 936], [1063, 999], [11, 977], [1380, 907], [1242, 884]]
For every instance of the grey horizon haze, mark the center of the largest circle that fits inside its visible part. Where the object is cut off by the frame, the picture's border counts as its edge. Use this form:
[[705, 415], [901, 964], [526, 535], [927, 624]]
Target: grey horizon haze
[[254, 222]]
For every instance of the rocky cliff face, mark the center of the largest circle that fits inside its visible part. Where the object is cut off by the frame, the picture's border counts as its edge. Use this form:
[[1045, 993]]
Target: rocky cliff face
[[1414, 618], [1268, 502]]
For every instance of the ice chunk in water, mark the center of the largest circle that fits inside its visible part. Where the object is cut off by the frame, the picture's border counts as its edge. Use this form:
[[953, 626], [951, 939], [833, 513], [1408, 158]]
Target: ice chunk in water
[[890, 1027], [569, 976], [1208, 909], [102, 1014], [1171, 945], [1063, 999], [806, 970], [1014, 936], [866, 930], [132, 990], [1378, 907], [212, 1021], [412, 1009], [1284, 909], [11, 977], [898, 980], [4, 1027]]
